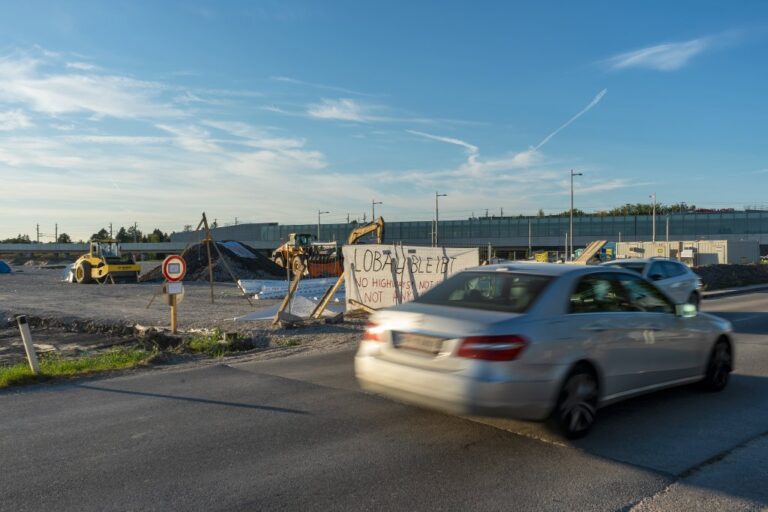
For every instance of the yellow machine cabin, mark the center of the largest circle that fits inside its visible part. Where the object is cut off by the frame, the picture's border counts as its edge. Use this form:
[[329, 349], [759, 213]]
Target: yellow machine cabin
[[105, 263]]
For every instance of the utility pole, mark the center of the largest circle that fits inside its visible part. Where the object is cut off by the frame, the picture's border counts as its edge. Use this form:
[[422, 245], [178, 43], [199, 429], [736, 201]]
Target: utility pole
[[529, 238], [373, 209], [110, 231], [319, 213], [347, 218], [56, 233], [38, 233], [135, 232], [437, 218], [570, 254], [235, 221], [653, 236]]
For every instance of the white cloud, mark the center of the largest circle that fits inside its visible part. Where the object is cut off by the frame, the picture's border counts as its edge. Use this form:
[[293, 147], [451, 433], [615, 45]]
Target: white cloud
[[14, 120], [83, 66], [294, 81], [661, 57], [192, 138], [22, 80], [343, 109]]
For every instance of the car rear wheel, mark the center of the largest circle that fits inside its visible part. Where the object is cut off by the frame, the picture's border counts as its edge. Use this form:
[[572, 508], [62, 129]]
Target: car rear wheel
[[576, 406], [718, 368]]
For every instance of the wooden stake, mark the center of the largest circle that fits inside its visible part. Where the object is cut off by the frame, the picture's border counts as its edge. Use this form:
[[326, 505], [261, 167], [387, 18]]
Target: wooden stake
[[327, 297]]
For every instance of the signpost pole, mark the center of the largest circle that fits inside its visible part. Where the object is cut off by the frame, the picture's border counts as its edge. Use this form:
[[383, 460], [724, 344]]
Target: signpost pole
[[173, 313]]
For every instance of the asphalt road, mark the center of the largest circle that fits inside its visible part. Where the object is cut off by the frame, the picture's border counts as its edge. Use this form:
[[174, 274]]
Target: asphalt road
[[296, 433]]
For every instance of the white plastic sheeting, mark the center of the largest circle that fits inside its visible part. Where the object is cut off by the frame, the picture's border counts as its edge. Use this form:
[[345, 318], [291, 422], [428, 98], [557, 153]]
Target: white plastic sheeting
[[271, 289]]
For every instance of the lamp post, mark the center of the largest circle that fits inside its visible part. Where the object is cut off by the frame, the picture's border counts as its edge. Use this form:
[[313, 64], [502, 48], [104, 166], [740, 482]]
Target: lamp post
[[437, 217], [373, 209], [319, 213], [570, 253], [653, 235]]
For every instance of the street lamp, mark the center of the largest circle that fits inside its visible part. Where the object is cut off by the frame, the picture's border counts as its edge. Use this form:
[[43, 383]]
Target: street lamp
[[319, 213], [570, 253], [373, 209], [437, 217], [653, 236]]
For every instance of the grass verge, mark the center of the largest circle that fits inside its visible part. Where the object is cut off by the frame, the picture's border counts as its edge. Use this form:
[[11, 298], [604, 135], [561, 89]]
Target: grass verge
[[54, 366], [213, 345]]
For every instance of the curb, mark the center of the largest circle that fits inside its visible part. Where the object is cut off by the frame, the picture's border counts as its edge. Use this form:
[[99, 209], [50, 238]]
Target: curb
[[716, 294]]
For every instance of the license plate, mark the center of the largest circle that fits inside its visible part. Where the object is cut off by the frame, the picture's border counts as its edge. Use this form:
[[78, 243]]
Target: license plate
[[418, 342]]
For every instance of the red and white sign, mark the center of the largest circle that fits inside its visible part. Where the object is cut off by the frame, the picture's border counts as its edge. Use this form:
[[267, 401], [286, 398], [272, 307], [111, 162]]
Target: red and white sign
[[174, 268]]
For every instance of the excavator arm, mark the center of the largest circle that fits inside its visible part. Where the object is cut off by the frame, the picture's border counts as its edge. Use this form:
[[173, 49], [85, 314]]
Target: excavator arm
[[376, 226]]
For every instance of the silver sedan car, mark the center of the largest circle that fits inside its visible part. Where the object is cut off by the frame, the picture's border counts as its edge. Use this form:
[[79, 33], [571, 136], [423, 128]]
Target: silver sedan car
[[540, 341]]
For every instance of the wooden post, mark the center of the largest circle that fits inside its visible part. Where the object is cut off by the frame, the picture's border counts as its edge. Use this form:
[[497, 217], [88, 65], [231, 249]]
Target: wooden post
[[26, 337], [172, 299]]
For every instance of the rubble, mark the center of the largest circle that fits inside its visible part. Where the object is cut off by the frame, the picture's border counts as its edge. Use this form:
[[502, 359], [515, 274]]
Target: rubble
[[243, 261], [718, 277]]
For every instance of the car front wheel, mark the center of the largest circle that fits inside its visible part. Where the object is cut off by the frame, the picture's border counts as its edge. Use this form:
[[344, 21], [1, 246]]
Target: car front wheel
[[718, 368], [576, 406]]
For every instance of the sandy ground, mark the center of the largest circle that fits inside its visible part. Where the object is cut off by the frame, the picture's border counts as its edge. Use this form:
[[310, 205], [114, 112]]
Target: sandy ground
[[69, 317]]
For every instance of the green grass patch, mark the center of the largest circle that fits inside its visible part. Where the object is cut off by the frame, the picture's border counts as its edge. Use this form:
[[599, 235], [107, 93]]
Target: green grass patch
[[290, 342], [212, 345], [55, 366]]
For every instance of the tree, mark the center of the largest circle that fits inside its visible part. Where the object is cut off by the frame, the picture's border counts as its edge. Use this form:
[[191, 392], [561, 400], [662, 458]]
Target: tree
[[134, 234], [122, 236], [64, 239], [157, 236], [20, 239], [101, 234], [541, 213]]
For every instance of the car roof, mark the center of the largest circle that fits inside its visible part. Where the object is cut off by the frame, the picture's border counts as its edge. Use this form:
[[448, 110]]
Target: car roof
[[543, 269], [639, 260]]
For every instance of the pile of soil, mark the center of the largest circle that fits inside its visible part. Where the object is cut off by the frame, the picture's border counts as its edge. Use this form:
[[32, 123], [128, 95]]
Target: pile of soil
[[718, 277], [245, 263]]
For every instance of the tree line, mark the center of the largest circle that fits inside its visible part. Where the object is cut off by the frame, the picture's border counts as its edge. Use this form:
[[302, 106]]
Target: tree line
[[124, 235]]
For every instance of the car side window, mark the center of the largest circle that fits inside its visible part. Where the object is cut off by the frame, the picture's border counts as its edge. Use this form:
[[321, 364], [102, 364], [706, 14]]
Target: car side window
[[644, 296], [672, 269], [599, 293], [657, 269]]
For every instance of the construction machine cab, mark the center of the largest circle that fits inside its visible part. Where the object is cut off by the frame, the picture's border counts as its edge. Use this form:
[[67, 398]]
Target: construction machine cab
[[299, 240], [106, 249]]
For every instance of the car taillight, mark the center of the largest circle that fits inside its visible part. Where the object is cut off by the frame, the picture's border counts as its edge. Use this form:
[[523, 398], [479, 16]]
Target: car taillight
[[373, 332], [493, 348]]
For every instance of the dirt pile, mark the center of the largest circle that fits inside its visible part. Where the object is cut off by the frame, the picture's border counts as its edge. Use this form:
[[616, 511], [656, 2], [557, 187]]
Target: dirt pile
[[718, 277], [243, 261]]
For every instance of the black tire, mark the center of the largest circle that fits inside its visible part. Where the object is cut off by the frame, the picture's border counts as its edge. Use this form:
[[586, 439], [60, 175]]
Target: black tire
[[695, 299], [83, 273], [576, 407], [298, 266], [719, 367]]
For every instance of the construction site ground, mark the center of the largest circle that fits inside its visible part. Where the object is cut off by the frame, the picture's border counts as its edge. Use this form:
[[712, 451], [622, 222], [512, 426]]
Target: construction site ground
[[70, 318]]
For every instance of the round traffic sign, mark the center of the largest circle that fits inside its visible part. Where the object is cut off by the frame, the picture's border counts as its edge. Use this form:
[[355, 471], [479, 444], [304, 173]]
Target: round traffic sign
[[174, 268]]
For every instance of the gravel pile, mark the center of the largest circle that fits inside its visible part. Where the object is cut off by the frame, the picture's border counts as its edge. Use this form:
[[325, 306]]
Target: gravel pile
[[718, 277], [243, 261]]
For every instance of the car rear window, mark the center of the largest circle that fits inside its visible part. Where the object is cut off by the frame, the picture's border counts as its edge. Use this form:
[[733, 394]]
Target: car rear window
[[635, 267], [509, 292]]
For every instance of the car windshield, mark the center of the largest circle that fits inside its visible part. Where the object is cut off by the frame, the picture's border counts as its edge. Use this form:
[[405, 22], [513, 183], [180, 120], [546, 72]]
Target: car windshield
[[634, 266], [496, 291]]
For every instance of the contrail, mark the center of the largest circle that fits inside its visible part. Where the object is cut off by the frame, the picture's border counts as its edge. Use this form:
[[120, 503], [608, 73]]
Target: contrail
[[586, 109]]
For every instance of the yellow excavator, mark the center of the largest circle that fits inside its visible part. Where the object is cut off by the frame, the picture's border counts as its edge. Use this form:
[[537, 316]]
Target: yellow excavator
[[320, 259], [105, 263]]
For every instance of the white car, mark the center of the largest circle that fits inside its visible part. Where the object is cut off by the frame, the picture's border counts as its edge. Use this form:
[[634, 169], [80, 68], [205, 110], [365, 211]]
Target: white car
[[534, 341], [674, 278]]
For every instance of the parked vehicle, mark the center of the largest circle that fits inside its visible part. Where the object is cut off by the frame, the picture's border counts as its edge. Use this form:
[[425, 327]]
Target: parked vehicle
[[538, 341], [674, 278]]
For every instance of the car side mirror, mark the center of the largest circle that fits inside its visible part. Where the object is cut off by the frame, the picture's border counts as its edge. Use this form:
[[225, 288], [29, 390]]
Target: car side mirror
[[656, 277], [685, 310]]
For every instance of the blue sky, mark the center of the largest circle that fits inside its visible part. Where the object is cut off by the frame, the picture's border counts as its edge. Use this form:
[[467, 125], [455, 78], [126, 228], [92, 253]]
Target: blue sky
[[268, 111]]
